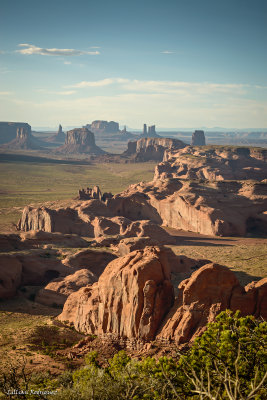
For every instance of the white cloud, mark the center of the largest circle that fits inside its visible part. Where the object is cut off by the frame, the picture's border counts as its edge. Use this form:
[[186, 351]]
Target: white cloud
[[100, 83], [167, 52], [67, 62], [32, 49]]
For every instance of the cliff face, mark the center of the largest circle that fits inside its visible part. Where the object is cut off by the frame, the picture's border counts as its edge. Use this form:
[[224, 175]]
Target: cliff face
[[24, 140], [8, 130], [152, 149], [80, 140], [212, 208]]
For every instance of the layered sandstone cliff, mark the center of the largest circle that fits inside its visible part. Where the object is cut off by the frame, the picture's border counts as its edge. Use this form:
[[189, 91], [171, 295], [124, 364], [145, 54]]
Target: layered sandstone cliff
[[24, 140], [223, 208], [8, 130], [80, 140]]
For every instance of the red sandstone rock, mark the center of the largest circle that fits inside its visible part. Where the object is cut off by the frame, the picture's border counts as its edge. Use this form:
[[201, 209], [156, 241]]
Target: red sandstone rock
[[130, 299], [58, 290], [210, 290], [10, 276]]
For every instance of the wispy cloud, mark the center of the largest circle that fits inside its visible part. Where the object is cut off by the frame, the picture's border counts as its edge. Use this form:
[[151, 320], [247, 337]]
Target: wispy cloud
[[164, 87], [5, 93], [67, 62], [60, 93], [32, 49], [167, 52], [100, 83]]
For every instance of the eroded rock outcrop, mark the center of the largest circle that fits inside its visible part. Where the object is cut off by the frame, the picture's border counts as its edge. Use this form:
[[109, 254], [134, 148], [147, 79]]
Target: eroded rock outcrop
[[10, 276], [222, 208], [210, 290], [214, 163], [57, 291], [130, 299], [80, 140], [151, 148]]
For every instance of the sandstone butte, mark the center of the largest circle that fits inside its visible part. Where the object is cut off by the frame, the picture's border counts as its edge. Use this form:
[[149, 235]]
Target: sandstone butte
[[134, 299], [80, 140]]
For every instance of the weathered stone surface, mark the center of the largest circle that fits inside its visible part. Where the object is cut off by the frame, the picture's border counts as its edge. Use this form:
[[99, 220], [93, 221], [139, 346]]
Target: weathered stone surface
[[210, 290], [214, 208], [198, 138], [151, 149], [80, 140], [130, 299], [57, 291], [214, 163], [10, 276], [35, 239], [93, 260]]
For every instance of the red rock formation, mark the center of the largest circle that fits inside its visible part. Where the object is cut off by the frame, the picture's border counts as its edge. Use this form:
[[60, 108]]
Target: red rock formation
[[215, 163], [58, 290], [151, 148], [130, 299], [80, 140], [210, 290]]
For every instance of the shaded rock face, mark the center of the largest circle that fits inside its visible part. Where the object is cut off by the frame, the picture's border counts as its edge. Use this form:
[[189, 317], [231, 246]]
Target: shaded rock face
[[57, 291], [8, 130], [10, 276], [80, 140], [213, 208], [24, 140], [198, 139], [85, 219], [130, 299], [213, 163], [210, 290], [151, 149]]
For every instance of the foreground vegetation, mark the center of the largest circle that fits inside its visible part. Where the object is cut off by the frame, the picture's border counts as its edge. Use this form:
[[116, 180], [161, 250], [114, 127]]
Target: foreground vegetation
[[227, 362]]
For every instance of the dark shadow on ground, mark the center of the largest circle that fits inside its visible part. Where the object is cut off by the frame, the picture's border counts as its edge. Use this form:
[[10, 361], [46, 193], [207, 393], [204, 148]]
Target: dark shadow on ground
[[11, 158], [245, 278], [20, 304]]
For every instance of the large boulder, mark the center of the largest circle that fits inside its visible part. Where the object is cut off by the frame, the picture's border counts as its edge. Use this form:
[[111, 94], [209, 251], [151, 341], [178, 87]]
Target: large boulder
[[130, 299]]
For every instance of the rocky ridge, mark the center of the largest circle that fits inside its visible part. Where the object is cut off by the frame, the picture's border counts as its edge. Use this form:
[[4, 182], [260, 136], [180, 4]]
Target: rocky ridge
[[214, 163]]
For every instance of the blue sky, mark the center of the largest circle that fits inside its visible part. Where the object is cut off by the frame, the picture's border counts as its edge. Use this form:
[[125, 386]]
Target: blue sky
[[173, 63]]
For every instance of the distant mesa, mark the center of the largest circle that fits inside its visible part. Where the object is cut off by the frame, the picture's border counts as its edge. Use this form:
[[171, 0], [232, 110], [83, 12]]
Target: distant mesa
[[24, 140], [80, 141], [103, 127], [59, 137], [8, 130], [149, 131], [198, 139]]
